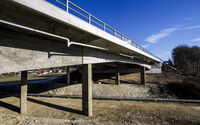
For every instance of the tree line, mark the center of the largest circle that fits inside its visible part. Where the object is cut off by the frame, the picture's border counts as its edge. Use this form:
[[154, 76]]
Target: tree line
[[186, 59]]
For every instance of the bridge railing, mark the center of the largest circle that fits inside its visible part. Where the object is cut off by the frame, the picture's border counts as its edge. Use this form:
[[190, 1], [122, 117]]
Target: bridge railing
[[70, 7]]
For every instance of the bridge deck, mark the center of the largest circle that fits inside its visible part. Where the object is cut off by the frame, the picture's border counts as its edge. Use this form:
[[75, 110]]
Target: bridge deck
[[114, 41]]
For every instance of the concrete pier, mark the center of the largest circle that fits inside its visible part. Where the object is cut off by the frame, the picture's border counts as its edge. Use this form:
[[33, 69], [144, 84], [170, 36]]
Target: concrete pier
[[87, 89], [23, 98], [117, 78], [68, 75], [142, 76]]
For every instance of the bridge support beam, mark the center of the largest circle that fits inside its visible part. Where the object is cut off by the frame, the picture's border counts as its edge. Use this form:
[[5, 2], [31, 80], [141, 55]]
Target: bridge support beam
[[87, 89], [142, 75], [68, 75], [23, 97], [117, 78]]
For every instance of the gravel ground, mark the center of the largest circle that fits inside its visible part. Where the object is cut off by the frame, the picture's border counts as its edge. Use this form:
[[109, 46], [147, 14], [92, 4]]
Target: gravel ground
[[105, 90], [60, 111], [20, 120], [68, 111]]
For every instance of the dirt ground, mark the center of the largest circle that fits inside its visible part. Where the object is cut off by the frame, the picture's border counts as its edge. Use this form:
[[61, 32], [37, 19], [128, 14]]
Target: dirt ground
[[68, 111], [55, 111]]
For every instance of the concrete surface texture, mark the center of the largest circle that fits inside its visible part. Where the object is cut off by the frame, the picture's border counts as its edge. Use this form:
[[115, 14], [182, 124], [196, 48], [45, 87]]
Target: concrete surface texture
[[87, 89], [20, 52], [52, 11], [24, 90], [25, 50]]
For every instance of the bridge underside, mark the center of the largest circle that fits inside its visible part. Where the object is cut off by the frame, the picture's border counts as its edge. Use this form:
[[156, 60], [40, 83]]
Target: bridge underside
[[14, 11], [20, 51], [23, 51]]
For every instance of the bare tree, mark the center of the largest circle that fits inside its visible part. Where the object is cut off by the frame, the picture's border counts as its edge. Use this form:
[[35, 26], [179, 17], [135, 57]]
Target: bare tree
[[187, 59]]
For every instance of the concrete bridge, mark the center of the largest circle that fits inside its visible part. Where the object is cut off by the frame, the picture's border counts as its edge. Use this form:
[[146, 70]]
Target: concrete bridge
[[37, 34]]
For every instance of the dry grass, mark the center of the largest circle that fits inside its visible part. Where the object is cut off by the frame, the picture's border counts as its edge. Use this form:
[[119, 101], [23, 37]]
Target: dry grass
[[17, 78]]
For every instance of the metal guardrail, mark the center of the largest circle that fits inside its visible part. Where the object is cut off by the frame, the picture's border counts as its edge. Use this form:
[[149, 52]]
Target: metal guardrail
[[71, 8]]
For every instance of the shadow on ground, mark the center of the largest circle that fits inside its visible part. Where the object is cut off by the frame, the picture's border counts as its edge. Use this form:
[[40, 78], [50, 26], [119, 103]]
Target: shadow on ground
[[17, 109]]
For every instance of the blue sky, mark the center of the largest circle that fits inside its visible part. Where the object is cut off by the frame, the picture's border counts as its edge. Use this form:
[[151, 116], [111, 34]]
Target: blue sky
[[158, 25]]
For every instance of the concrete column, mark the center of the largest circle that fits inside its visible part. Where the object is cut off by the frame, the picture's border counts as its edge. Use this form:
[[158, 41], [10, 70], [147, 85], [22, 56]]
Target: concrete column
[[142, 76], [117, 78], [87, 89], [68, 75], [23, 98]]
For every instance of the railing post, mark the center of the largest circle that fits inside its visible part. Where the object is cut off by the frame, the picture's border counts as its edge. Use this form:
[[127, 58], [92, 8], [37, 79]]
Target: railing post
[[89, 19], [67, 6], [114, 32], [104, 26]]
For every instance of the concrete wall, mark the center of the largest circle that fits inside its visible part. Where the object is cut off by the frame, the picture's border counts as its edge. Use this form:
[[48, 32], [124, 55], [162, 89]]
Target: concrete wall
[[20, 51], [155, 68]]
